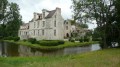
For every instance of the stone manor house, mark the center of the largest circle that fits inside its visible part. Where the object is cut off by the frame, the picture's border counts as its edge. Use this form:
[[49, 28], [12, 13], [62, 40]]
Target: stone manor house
[[48, 25]]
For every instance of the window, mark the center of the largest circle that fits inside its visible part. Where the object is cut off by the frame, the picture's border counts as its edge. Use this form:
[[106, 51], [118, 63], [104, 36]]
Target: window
[[34, 24], [39, 17], [38, 32], [42, 32], [55, 23], [55, 16], [38, 24], [43, 23], [34, 33], [66, 27], [26, 33], [66, 22], [19, 32], [54, 32]]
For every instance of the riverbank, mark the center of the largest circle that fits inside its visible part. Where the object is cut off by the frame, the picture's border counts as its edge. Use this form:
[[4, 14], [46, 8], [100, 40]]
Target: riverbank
[[101, 58], [66, 44]]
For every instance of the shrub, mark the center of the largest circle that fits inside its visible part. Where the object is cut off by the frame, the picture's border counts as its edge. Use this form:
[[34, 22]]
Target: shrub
[[96, 39], [50, 42], [86, 39], [72, 40], [9, 38], [32, 40], [24, 40], [1, 37], [16, 38], [81, 40], [61, 42]]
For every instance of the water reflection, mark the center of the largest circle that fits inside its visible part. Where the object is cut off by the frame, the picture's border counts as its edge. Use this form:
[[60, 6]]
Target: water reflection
[[11, 50]]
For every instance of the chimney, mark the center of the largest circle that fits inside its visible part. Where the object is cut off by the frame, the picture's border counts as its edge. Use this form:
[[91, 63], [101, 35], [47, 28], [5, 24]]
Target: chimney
[[58, 9], [43, 12], [35, 15]]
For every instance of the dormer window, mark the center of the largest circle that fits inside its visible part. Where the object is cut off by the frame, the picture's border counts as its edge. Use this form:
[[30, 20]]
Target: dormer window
[[39, 17]]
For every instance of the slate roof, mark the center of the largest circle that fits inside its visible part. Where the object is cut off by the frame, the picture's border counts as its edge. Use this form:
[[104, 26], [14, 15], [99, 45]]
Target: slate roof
[[51, 13]]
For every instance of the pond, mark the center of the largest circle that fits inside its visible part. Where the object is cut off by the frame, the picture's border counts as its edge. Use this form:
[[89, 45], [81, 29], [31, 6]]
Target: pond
[[12, 50]]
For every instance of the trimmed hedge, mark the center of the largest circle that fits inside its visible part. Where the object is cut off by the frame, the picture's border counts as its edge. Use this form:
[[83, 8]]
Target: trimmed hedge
[[81, 40], [12, 38], [1, 37], [96, 39], [32, 40], [51, 43], [16, 38]]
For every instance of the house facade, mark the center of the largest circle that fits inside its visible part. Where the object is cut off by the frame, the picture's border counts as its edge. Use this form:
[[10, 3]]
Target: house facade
[[48, 25]]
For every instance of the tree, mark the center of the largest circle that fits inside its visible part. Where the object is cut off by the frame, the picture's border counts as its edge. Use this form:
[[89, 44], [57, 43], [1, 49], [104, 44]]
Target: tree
[[105, 12], [14, 20], [3, 5], [10, 19]]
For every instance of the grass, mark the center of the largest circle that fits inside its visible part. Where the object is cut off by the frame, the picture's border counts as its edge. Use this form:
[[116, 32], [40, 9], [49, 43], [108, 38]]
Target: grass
[[101, 58], [66, 44]]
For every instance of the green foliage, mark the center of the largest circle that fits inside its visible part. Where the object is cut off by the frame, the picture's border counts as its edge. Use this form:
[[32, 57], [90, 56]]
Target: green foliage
[[12, 38], [96, 39], [9, 38], [86, 39], [107, 19], [101, 58], [1, 37], [24, 40], [16, 38], [81, 40], [10, 18], [61, 42], [83, 25], [72, 22], [32, 40], [71, 40], [51, 43]]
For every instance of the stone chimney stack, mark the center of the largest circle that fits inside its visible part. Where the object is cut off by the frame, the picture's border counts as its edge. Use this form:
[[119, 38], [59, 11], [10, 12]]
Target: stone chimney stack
[[44, 13], [35, 15], [58, 9]]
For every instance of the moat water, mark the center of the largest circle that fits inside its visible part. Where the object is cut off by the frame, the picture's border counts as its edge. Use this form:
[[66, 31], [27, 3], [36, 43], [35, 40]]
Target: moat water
[[13, 50]]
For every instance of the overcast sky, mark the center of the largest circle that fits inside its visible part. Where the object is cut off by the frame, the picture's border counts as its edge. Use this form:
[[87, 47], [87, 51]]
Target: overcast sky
[[28, 7]]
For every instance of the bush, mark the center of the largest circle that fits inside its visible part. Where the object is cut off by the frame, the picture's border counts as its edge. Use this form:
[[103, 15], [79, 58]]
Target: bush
[[1, 37], [24, 40], [96, 39], [81, 40], [51, 42], [61, 42], [16, 38], [86, 40], [32, 40], [9, 38], [72, 40]]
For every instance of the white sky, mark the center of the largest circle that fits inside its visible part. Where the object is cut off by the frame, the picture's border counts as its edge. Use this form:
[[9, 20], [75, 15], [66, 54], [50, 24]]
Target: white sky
[[28, 7]]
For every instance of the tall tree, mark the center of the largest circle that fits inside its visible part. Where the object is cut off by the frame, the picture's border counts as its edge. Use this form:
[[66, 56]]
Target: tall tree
[[105, 13], [3, 9], [10, 19], [14, 20]]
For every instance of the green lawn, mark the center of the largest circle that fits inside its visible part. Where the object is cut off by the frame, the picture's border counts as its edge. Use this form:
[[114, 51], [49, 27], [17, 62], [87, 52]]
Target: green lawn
[[101, 58], [66, 44]]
